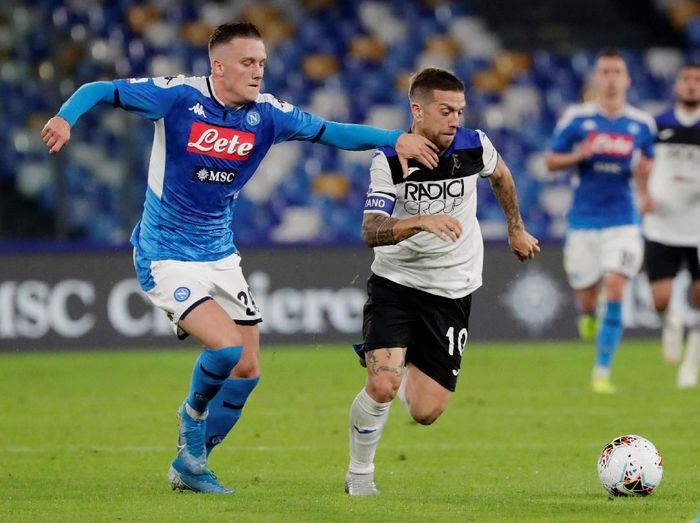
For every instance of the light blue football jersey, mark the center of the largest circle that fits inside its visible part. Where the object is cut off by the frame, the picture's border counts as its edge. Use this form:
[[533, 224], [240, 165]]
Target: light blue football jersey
[[604, 196], [203, 154]]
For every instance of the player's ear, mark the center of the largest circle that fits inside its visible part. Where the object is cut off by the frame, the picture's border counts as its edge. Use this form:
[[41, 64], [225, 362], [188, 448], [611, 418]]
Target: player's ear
[[217, 67], [416, 111]]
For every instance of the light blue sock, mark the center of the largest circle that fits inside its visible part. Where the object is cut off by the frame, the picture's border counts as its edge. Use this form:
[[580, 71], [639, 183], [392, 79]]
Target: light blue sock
[[225, 409], [211, 370], [609, 335]]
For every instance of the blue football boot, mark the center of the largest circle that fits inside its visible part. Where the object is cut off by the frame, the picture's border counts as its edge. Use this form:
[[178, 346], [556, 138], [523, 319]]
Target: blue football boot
[[206, 483]]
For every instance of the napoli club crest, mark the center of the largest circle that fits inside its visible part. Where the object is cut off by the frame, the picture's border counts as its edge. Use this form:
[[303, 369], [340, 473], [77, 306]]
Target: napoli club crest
[[253, 118]]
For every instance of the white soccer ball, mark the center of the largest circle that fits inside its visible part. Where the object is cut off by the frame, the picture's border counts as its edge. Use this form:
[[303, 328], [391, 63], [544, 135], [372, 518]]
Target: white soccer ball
[[630, 466]]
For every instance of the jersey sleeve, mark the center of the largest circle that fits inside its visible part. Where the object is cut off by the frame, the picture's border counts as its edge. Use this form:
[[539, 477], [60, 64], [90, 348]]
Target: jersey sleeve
[[381, 195], [291, 123], [564, 136], [151, 98], [489, 157]]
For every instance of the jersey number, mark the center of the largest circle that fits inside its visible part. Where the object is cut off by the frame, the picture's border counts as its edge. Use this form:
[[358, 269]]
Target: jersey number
[[461, 340], [248, 302]]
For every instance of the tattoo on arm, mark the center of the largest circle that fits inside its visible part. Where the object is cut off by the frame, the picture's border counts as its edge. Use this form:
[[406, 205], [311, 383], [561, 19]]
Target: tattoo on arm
[[504, 190], [378, 229]]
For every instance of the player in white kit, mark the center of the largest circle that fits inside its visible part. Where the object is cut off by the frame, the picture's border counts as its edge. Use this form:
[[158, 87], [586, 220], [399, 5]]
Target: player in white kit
[[672, 227], [428, 262]]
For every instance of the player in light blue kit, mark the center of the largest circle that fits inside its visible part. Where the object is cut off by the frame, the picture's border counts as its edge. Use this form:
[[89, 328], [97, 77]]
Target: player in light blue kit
[[608, 142], [211, 133]]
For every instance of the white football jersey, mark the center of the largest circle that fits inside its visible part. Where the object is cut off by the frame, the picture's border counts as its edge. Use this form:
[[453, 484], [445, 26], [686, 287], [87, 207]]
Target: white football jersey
[[674, 183], [424, 261]]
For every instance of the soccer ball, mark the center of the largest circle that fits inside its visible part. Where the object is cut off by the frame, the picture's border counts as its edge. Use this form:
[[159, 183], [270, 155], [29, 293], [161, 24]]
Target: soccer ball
[[630, 466]]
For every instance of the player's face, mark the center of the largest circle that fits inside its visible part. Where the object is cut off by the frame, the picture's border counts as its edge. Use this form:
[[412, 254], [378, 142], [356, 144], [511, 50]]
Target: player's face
[[438, 119], [688, 87], [611, 78], [240, 65]]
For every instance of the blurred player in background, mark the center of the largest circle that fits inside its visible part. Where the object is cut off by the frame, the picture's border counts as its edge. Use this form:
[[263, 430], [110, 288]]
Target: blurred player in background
[[428, 262], [211, 133], [672, 225], [608, 142]]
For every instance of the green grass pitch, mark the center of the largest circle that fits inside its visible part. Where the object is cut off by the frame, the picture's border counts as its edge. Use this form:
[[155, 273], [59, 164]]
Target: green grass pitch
[[89, 436]]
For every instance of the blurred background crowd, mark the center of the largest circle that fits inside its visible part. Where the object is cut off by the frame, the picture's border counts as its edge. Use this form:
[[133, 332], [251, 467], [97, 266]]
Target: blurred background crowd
[[523, 62]]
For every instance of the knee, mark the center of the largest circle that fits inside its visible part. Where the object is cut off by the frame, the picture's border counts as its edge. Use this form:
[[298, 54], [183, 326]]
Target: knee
[[246, 368], [426, 416], [383, 388]]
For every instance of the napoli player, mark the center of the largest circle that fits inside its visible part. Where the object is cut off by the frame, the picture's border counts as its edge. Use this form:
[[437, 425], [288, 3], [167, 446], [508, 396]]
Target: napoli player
[[428, 258], [608, 142], [211, 133], [671, 228]]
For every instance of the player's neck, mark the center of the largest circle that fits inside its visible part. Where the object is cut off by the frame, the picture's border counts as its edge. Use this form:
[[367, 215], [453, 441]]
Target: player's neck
[[441, 149], [612, 107], [221, 95], [687, 114]]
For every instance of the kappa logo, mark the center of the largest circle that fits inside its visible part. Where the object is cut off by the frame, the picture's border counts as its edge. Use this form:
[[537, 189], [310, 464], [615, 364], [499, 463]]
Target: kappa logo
[[220, 142], [198, 109], [207, 175], [411, 170]]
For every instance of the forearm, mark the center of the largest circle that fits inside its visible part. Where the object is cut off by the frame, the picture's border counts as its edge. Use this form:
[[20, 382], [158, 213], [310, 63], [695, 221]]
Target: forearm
[[503, 188], [641, 175], [353, 137], [380, 230], [559, 161], [84, 99]]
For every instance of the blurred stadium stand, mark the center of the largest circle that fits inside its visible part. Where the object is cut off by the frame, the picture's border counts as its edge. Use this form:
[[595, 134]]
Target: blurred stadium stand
[[344, 60]]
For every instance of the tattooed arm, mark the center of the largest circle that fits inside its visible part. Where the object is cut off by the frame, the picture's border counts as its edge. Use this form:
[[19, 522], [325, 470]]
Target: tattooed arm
[[379, 229], [521, 242]]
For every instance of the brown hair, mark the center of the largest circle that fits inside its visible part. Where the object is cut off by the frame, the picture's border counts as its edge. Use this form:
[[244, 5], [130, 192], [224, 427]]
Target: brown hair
[[228, 31], [425, 81]]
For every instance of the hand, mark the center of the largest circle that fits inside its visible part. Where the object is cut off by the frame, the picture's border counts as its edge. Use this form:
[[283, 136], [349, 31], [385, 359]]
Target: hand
[[419, 148], [55, 134], [523, 244], [443, 226], [585, 149]]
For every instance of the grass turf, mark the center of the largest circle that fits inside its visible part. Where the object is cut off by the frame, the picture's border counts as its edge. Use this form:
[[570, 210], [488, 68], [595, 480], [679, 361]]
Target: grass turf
[[89, 436]]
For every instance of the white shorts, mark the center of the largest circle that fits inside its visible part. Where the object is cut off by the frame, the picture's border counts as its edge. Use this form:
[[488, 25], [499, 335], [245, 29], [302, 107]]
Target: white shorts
[[590, 253], [177, 287]]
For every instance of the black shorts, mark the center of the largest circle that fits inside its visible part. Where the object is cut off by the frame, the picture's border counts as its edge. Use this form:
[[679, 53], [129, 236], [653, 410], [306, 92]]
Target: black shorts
[[433, 328], [664, 261]]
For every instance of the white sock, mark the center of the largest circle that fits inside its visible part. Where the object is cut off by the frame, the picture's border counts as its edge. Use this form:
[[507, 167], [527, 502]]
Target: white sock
[[601, 372], [692, 350], [367, 419]]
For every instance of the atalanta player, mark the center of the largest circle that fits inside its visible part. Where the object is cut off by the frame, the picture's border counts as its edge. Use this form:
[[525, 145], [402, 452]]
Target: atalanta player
[[428, 259]]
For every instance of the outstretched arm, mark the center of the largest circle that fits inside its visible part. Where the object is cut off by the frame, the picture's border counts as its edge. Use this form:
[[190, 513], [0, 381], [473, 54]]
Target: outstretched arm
[[523, 245], [56, 132], [379, 229], [353, 137]]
